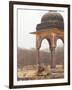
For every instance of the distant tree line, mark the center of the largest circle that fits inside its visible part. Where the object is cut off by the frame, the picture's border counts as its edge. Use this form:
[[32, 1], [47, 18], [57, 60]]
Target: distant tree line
[[28, 57]]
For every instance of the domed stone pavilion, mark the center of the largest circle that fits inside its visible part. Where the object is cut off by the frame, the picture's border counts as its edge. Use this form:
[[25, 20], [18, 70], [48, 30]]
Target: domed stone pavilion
[[50, 28]]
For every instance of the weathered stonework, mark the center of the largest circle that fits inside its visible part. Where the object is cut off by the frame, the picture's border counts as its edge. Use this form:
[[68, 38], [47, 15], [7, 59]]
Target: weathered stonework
[[51, 28]]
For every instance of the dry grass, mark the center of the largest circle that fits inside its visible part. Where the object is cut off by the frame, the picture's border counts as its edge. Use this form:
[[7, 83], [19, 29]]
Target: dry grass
[[47, 73]]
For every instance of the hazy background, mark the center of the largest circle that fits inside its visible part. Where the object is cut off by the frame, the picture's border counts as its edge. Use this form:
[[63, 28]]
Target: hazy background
[[27, 21]]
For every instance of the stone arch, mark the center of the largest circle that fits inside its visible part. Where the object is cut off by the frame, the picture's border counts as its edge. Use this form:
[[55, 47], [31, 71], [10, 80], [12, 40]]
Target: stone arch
[[59, 39], [39, 41], [44, 44], [57, 49], [46, 40], [62, 38]]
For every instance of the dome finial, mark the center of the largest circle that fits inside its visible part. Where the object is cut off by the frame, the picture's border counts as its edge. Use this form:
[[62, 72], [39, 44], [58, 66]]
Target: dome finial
[[52, 10]]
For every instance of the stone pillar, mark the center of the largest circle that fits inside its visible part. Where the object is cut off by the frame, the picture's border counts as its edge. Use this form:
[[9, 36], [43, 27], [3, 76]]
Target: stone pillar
[[53, 60], [37, 57], [38, 45], [53, 39]]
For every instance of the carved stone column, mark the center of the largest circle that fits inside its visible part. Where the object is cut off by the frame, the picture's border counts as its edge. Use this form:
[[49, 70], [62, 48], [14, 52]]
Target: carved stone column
[[53, 59], [37, 56], [38, 45], [53, 39]]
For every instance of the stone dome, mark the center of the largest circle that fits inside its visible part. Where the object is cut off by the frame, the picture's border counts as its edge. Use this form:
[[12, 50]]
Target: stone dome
[[51, 16], [51, 20]]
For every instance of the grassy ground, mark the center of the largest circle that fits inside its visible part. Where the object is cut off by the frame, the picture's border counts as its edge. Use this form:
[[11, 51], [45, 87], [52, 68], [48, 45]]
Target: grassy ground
[[31, 73]]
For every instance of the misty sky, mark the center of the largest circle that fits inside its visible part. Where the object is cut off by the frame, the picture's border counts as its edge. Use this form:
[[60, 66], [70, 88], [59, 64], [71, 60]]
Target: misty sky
[[27, 21]]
